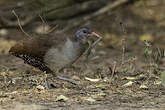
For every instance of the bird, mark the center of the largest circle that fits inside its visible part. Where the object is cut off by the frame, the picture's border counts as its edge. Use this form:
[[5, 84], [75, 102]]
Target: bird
[[53, 52]]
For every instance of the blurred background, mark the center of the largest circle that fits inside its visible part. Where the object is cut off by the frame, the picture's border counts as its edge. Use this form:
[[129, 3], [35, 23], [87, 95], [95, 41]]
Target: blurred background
[[138, 20], [119, 22]]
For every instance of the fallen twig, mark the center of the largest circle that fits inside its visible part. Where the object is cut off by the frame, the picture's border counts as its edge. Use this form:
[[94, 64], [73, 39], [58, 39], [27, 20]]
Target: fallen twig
[[113, 69], [19, 23], [4, 22], [92, 45], [101, 11]]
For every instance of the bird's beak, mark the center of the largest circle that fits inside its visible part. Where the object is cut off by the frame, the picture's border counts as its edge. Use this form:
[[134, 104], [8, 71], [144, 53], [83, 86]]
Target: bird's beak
[[93, 34]]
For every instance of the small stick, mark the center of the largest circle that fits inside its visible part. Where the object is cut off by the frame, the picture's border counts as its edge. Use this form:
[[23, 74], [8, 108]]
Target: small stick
[[4, 67], [52, 29], [42, 19], [19, 23], [44, 23], [113, 69], [107, 8], [91, 46], [123, 43], [123, 51]]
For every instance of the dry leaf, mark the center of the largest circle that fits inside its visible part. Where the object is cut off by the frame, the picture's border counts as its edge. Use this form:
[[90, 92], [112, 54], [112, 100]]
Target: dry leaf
[[92, 80], [90, 99], [129, 78], [157, 82], [62, 98], [128, 84], [39, 87], [143, 86], [101, 94], [101, 85]]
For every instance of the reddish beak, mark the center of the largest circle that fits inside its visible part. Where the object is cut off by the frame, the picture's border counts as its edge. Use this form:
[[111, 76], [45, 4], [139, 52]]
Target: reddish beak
[[93, 34]]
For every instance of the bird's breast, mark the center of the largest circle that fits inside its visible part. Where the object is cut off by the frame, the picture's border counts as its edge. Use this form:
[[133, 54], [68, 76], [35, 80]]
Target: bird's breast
[[67, 54]]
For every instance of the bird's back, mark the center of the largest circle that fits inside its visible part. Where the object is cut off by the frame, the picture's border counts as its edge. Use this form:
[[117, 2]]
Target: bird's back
[[32, 50]]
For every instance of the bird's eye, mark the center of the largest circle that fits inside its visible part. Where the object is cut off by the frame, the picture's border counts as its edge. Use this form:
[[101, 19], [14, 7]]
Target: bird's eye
[[84, 31]]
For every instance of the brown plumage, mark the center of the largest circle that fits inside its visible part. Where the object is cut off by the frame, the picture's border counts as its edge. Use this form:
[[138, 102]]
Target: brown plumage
[[32, 50], [54, 51]]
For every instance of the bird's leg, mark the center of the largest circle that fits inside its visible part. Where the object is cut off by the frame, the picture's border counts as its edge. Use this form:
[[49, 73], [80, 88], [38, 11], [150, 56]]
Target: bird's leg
[[44, 82], [49, 85], [66, 79]]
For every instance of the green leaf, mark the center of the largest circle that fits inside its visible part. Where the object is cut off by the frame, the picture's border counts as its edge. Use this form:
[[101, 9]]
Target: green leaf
[[147, 52], [147, 43]]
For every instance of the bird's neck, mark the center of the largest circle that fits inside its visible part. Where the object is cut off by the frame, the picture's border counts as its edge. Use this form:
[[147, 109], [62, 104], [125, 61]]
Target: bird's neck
[[79, 40], [75, 39], [75, 46]]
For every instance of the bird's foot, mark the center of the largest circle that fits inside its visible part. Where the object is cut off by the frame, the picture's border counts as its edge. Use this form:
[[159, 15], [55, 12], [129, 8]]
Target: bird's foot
[[69, 80], [47, 84], [50, 85]]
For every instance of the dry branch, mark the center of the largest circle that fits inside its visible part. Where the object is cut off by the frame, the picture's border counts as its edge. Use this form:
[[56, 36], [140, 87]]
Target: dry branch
[[4, 22], [108, 8], [19, 23], [69, 12]]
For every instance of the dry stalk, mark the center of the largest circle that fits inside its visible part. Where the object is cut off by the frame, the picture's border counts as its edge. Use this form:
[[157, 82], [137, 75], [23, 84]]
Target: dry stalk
[[123, 42], [44, 25], [123, 50], [19, 23], [52, 29], [108, 8], [113, 69]]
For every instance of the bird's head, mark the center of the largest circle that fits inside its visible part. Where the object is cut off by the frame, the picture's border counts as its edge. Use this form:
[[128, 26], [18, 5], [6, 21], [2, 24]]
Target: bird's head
[[84, 33]]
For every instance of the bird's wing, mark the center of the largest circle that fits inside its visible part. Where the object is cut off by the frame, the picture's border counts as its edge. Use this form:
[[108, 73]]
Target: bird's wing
[[37, 46], [32, 50]]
